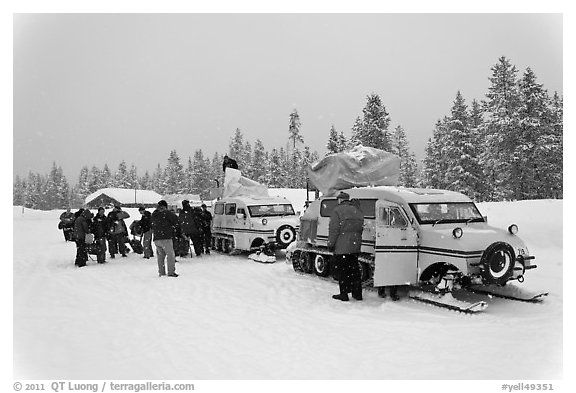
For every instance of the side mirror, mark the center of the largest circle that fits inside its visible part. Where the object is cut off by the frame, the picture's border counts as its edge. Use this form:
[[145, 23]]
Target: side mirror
[[485, 218]]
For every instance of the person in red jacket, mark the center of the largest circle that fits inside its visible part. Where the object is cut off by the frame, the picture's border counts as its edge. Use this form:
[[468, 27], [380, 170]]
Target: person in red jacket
[[164, 225], [345, 241]]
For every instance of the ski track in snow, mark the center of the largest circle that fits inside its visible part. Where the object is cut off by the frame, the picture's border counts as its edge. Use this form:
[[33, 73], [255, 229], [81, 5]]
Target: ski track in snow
[[227, 317]]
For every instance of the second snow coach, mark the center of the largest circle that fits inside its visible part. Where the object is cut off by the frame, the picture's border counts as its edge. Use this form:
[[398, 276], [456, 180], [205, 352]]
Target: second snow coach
[[429, 241], [246, 218]]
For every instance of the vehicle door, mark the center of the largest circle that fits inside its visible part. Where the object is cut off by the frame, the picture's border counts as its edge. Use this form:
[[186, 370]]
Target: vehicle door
[[396, 251]]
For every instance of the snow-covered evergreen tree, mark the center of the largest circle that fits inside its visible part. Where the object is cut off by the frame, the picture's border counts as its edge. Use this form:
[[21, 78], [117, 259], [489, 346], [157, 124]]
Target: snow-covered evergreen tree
[[133, 177], [333, 144], [434, 163], [374, 130], [342, 142], [553, 171], [259, 163], [174, 182], [146, 182], [122, 176], [356, 131], [500, 159], [55, 190], [275, 173], [18, 191], [294, 129], [247, 170], [236, 148], [408, 165], [84, 183], [106, 178], [158, 180], [460, 151], [538, 143], [201, 168]]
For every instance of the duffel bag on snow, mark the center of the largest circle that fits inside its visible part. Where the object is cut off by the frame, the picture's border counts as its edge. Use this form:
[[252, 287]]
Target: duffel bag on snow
[[136, 246], [94, 248]]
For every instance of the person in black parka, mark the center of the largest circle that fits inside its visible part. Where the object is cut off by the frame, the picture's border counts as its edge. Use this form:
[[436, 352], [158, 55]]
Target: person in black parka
[[81, 228], [345, 241], [206, 220], [229, 163], [146, 227], [118, 231], [101, 230], [191, 225], [67, 225]]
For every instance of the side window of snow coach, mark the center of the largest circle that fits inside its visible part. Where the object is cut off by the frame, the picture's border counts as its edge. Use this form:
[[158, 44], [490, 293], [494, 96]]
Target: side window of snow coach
[[327, 206], [368, 207], [219, 208], [397, 219], [383, 216], [230, 209]]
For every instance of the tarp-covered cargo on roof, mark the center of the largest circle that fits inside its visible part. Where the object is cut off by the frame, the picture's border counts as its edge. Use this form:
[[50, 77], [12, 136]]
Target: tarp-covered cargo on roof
[[359, 167]]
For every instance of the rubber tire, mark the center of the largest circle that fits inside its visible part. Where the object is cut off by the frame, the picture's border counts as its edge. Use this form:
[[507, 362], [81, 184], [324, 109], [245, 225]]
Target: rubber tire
[[281, 240], [498, 263], [324, 262], [364, 271]]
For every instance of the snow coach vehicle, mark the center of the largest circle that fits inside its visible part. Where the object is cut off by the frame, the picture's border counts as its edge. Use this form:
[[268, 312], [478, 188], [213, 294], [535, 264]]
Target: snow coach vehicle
[[430, 240], [247, 224], [246, 218]]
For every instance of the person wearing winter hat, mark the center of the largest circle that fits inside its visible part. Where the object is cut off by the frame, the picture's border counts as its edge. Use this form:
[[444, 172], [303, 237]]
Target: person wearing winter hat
[[345, 240], [164, 226], [146, 226]]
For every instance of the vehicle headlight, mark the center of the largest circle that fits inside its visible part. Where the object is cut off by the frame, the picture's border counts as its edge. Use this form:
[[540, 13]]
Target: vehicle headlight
[[264, 221], [513, 229], [457, 233]]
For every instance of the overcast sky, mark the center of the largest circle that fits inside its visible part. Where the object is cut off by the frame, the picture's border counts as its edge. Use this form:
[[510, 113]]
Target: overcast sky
[[91, 89]]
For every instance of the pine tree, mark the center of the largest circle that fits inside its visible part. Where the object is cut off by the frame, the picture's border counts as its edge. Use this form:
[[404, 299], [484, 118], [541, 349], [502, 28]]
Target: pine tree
[[475, 125], [434, 163], [122, 176], [84, 183], [94, 179], [247, 169], [259, 162], [275, 173], [18, 192], [294, 129], [146, 182], [374, 130], [107, 179], [342, 142], [133, 177], [55, 189], [158, 182], [174, 182], [408, 165], [333, 145], [235, 148], [553, 171], [500, 159], [460, 151], [356, 131], [201, 175]]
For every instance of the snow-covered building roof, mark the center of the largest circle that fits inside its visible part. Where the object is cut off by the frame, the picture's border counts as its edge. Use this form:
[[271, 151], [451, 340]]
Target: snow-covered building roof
[[123, 196]]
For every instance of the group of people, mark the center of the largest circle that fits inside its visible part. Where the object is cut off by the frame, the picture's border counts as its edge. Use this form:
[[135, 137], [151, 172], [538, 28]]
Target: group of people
[[92, 233]]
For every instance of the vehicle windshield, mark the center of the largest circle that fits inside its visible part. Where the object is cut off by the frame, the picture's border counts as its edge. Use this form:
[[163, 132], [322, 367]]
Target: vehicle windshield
[[447, 212], [271, 210]]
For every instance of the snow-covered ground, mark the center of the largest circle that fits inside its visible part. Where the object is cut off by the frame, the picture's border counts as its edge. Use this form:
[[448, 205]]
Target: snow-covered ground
[[231, 318]]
